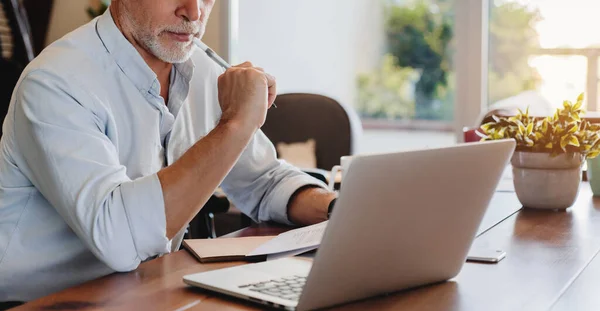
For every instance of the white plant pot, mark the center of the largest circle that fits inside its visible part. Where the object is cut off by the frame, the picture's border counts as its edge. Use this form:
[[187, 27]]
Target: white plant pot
[[546, 182]]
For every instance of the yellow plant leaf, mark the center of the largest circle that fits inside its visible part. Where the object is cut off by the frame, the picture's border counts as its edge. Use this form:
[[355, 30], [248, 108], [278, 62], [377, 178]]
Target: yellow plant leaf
[[486, 127], [564, 142], [501, 132], [573, 141], [548, 146], [593, 154], [519, 112], [529, 129], [519, 137], [529, 142], [538, 135], [558, 128], [545, 126], [572, 128]]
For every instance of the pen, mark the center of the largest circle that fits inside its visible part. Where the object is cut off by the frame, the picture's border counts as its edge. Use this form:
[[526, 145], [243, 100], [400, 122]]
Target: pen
[[214, 56]]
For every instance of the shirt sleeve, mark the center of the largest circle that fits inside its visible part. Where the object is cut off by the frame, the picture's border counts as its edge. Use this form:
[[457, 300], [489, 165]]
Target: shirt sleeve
[[261, 186], [73, 164]]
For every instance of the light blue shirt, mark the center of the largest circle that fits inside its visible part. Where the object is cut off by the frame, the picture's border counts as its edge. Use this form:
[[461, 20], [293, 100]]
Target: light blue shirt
[[84, 137]]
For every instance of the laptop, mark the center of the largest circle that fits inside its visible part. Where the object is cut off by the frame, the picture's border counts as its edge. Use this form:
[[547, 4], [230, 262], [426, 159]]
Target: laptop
[[402, 220]]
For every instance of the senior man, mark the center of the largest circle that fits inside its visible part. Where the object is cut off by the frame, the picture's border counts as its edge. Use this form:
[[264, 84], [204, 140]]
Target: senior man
[[116, 136]]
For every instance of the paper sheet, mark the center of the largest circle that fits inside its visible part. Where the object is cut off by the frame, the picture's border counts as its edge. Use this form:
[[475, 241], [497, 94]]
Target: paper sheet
[[290, 253], [302, 240]]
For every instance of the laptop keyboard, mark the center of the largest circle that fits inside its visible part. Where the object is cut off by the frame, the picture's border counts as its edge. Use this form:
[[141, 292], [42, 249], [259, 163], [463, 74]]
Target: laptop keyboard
[[288, 287]]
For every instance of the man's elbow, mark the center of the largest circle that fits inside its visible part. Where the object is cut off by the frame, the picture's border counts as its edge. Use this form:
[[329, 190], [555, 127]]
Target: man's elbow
[[120, 262], [118, 254], [113, 241]]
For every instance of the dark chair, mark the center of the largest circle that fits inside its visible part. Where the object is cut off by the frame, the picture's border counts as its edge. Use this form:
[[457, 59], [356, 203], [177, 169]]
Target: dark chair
[[203, 225], [299, 117], [38, 12]]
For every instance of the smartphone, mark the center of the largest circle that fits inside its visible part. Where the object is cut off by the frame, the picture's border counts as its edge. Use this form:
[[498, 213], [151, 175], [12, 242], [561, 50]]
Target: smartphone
[[486, 255]]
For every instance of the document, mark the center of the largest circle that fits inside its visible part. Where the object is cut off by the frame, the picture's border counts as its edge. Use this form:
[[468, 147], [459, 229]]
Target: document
[[302, 239]]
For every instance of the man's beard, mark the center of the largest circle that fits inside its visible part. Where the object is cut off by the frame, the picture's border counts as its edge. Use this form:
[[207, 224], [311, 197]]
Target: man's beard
[[177, 52]]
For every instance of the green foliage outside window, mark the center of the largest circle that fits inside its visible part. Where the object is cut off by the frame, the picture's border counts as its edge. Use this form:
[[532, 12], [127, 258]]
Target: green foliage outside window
[[419, 37], [513, 39], [388, 92]]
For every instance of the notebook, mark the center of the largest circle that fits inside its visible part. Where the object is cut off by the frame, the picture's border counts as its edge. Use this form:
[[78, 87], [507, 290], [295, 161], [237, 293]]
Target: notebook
[[226, 249]]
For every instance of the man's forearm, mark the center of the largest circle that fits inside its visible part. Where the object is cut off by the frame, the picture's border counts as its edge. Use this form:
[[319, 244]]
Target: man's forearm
[[309, 205], [189, 182]]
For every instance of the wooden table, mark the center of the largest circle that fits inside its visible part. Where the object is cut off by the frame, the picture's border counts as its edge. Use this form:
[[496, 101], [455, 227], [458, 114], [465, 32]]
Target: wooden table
[[551, 264]]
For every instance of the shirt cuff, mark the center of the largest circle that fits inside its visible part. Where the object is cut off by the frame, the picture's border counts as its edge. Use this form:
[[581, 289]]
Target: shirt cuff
[[279, 203], [145, 210]]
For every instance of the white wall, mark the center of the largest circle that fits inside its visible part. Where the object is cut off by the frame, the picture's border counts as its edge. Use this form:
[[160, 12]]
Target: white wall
[[315, 46]]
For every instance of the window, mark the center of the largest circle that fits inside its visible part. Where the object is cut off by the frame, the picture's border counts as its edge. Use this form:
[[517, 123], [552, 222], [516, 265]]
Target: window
[[543, 52]]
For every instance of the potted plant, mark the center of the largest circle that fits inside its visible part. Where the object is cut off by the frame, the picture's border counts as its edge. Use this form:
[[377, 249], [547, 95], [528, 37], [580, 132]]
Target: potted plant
[[549, 155]]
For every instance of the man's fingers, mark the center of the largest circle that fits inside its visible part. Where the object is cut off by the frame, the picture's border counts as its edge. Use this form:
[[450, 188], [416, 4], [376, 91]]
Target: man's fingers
[[245, 65], [272, 84], [271, 81], [272, 100]]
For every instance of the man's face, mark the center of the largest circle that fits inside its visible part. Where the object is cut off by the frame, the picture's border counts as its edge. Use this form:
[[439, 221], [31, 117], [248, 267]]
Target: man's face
[[165, 28]]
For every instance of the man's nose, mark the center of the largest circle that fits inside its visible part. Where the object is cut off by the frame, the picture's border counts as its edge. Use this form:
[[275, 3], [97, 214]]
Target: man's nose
[[190, 10]]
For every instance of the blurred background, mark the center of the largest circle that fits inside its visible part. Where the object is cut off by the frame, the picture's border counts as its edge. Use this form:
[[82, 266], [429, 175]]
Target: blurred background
[[413, 70]]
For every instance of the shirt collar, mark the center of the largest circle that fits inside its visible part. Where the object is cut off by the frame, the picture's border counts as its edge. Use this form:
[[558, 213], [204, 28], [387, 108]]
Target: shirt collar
[[129, 59]]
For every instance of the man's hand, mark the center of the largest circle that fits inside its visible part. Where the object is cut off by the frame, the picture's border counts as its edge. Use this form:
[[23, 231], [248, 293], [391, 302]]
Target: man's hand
[[245, 94]]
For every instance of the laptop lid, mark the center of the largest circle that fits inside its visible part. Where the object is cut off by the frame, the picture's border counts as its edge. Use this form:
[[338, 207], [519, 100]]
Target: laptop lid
[[404, 220]]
